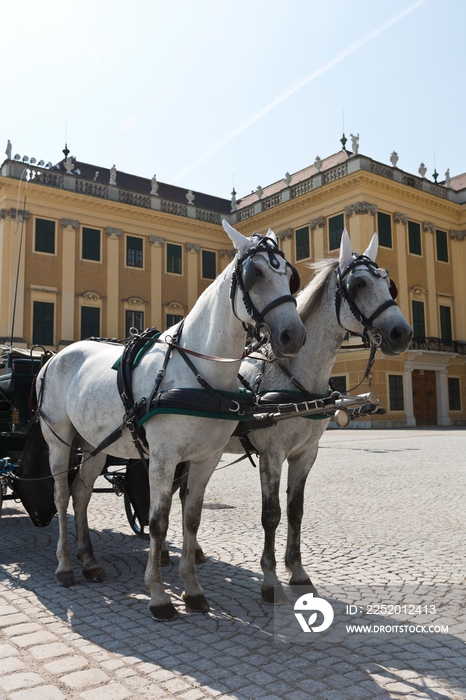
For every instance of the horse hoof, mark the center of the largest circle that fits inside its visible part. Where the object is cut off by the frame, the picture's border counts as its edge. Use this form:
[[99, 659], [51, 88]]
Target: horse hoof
[[200, 557], [196, 603], [65, 579], [302, 587], [273, 595], [164, 613], [165, 559], [95, 575]]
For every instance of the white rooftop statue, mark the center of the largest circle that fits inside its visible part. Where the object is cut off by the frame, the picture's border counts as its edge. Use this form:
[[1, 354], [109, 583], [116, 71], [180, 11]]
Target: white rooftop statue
[[318, 163], [394, 158], [113, 175], [8, 150], [154, 185], [447, 178], [355, 144], [422, 170]]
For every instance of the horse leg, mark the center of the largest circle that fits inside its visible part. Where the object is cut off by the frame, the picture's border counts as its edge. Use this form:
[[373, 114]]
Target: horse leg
[[200, 557], [270, 473], [59, 457], [161, 472], [198, 478], [82, 491], [298, 471]]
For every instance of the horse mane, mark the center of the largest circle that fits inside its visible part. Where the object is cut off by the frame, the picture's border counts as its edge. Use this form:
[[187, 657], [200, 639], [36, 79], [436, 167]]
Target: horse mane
[[311, 296]]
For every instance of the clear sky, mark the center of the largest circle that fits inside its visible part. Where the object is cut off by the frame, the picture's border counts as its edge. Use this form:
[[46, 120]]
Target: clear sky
[[211, 93]]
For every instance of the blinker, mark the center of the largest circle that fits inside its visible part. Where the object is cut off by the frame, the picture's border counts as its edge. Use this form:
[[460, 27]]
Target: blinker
[[248, 276]]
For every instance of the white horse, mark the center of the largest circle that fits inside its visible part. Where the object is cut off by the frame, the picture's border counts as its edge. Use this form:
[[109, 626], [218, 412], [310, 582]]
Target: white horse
[[349, 294], [79, 401]]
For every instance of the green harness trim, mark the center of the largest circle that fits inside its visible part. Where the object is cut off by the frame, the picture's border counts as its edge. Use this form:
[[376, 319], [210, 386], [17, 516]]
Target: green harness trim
[[238, 396], [140, 354]]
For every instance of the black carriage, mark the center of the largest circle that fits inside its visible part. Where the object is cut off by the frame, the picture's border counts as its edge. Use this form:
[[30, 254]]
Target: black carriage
[[126, 478]]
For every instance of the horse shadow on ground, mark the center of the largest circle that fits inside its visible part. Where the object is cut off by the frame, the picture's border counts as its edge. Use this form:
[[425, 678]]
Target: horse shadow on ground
[[233, 649]]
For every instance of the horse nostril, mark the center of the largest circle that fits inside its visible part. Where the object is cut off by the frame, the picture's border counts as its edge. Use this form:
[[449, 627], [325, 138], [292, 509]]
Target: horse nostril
[[397, 334], [285, 338]]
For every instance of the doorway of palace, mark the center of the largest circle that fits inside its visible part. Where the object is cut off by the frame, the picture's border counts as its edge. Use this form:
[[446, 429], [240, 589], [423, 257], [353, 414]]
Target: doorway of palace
[[424, 396]]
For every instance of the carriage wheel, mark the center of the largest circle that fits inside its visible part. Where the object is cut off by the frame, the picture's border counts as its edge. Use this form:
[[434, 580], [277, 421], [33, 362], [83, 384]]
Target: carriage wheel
[[133, 520]]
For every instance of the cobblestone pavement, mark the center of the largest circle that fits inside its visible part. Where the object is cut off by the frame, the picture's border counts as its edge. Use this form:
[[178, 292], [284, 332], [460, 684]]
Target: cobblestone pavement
[[384, 512]]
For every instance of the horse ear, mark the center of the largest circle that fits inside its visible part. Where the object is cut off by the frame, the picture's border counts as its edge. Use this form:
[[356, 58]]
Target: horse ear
[[345, 249], [239, 241], [372, 248], [271, 234]]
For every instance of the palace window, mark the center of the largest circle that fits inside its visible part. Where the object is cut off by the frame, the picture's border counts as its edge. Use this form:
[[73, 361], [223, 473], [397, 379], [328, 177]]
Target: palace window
[[384, 226], [90, 322], [174, 259], [336, 224], [454, 394], [339, 383], [42, 323], [45, 236], [419, 325], [90, 244], [133, 251], [414, 238], [209, 265], [445, 324], [173, 319], [134, 319], [395, 385], [303, 250], [442, 245]]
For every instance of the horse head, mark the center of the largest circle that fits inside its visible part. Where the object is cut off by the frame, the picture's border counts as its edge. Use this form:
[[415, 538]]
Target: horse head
[[365, 297], [262, 286]]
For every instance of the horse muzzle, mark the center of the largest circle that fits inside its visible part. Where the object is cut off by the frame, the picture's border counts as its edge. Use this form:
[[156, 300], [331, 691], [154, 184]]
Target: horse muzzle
[[395, 341], [288, 341]]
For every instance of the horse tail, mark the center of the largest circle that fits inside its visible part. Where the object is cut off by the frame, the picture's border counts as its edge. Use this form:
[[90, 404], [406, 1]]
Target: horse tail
[[34, 484]]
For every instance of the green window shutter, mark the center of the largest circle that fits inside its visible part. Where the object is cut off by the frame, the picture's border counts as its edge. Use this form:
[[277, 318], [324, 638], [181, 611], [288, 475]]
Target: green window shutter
[[395, 384], [209, 265], [173, 319], [336, 224], [414, 238], [454, 394], [302, 243], [419, 325], [442, 245], [90, 322], [174, 258], [384, 225], [91, 244], [42, 323], [45, 236], [445, 324], [133, 251]]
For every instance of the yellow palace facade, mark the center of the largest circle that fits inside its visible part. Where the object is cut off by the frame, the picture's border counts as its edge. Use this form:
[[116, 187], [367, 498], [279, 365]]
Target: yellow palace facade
[[86, 250]]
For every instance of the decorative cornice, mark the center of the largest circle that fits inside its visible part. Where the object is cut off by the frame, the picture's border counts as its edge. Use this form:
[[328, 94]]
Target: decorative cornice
[[193, 247], [361, 208], [135, 301], [283, 235], [113, 232], [90, 296], [400, 218], [174, 306], [319, 222], [457, 235], [157, 240], [11, 213], [429, 226], [70, 222], [417, 290], [230, 254], [41, 288]]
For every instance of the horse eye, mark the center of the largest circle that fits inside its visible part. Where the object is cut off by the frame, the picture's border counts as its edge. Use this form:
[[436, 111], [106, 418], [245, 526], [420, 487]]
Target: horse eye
[[258, 272], [361, 283]]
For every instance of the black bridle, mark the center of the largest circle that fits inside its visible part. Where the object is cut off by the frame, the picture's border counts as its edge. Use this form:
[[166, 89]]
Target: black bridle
[[347, 288], [244, 276]]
